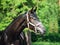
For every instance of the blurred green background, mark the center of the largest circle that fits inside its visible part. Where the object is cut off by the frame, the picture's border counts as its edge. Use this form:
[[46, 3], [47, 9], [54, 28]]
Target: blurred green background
[[47, 12]]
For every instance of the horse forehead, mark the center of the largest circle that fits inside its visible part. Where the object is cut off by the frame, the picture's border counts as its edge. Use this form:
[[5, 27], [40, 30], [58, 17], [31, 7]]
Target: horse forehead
[[34, 15]]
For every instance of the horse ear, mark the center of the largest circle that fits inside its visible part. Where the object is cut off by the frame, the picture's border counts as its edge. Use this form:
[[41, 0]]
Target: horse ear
[[31, 10], [35, 9]]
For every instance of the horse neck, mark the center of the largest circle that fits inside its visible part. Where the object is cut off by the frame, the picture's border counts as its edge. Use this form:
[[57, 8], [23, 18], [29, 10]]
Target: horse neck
[[17, 25], [21, 27]]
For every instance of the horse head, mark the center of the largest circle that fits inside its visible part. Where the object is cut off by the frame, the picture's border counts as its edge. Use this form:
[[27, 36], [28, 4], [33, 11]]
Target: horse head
[[33, 21]]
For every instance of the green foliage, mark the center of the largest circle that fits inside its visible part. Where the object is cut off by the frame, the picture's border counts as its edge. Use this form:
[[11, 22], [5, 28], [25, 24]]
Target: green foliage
[[45, 43], [35, 37], [47, 12]]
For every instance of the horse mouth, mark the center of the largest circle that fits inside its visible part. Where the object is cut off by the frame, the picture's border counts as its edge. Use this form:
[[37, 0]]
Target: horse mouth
[[41, 31]]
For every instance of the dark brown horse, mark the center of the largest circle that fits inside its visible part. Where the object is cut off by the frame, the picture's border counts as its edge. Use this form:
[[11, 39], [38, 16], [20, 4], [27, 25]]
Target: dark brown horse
[[11, 34]]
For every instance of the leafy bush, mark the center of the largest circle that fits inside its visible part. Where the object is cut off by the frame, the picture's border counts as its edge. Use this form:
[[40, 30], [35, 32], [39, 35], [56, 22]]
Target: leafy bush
[[47, 12]]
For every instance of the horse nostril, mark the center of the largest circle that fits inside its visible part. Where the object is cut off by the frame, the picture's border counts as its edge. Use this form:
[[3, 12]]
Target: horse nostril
[[44, 31]]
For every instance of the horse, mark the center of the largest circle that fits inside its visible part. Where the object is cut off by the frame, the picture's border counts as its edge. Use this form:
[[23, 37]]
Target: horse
[[27, 20], [22, 39], [2, 38]]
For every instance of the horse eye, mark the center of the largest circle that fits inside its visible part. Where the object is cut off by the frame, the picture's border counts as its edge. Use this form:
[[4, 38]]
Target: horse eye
[[31, 16], [34, 18]]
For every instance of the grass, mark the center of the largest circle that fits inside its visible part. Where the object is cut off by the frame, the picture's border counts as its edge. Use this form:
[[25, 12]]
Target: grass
[[46, 43]]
